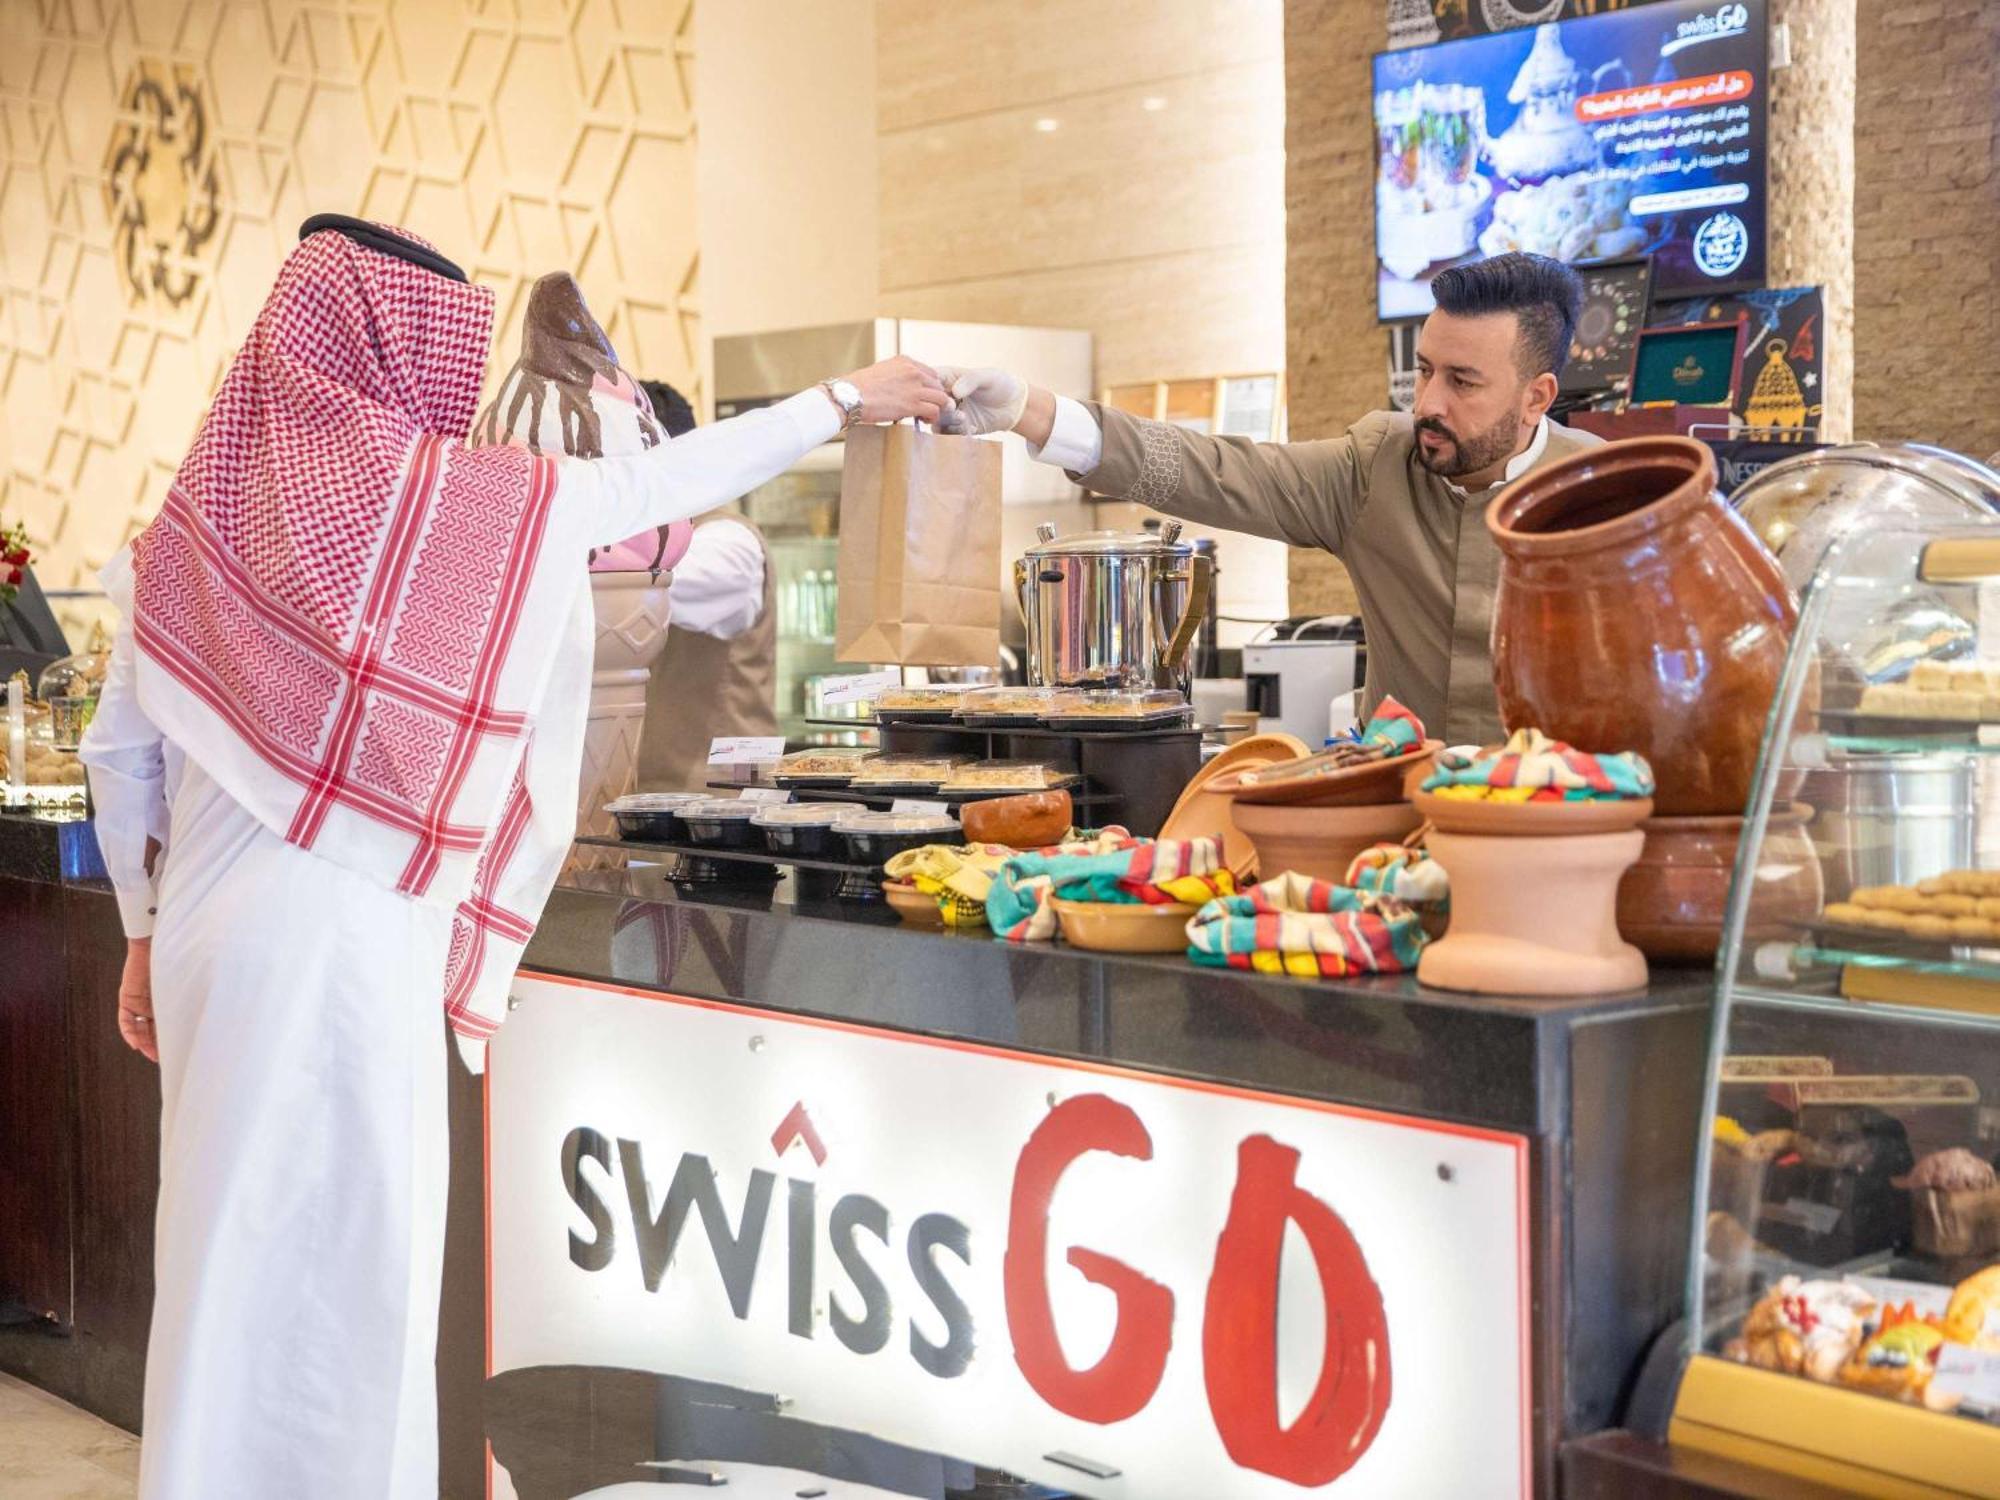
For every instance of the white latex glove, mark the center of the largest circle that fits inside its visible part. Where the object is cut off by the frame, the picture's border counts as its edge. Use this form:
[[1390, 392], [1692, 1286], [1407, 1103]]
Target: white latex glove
[[988, 400]]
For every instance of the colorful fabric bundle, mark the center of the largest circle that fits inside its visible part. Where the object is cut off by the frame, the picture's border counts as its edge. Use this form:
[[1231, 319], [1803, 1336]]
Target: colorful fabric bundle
[[1134, 872], [1393, 729], [1531, 767], [1308, 928], [958, 879], [1395, 870]]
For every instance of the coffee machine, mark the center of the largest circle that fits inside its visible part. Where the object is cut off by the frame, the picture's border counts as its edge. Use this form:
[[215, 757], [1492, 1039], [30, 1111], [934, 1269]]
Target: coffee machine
[[1292, 679]]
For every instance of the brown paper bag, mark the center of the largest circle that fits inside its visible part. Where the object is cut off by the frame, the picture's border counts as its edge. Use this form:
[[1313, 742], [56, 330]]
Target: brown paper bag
[[919, 549]]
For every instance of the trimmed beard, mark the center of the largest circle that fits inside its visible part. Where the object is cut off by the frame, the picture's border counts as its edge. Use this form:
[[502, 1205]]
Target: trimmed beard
[[1468, 456]]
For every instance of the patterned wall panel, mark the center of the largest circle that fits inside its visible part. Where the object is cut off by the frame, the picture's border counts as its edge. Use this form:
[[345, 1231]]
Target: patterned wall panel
[[157, 157]]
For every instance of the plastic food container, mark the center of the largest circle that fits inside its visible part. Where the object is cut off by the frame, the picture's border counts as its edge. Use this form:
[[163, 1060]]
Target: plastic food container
[[804, 829], [831, 765], [1008, 707], [1147, 709], [875, 838], [911, 773], [1008, 776], [653, 816], [917, 705], [723, 823]]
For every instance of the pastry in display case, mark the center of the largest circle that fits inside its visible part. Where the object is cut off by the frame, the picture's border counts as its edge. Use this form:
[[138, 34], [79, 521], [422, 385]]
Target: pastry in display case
[[1088, 709], [1844, 1299], [822, 766], [918, 705], [906, 773], [1008, 707], [988, 776]]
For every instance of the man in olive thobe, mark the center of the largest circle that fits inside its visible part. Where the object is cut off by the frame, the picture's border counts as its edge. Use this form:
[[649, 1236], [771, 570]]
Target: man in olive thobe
[[1399, 499]]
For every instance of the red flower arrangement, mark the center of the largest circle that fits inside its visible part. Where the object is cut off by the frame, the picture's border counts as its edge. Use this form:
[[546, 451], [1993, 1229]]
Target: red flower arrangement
[[14, 559]]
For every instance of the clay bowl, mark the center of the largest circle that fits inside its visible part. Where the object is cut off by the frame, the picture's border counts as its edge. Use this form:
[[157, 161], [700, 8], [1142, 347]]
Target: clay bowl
[[1203, 812], [1672, 903], [1113, 927], [1530, 819], [1380, 781], [912, 905], [1320, 841]]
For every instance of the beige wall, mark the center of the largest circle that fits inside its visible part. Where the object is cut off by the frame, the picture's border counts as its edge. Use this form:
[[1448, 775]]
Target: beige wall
[[1338, 355], [520, 138], [1926, 210], [1110, 165], [787, 176]]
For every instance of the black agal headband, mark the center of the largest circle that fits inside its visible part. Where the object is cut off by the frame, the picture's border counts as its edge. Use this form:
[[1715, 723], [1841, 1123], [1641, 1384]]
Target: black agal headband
[[376, 238]]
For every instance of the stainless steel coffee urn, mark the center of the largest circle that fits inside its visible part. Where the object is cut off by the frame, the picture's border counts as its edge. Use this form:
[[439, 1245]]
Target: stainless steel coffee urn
[[1112, 609]]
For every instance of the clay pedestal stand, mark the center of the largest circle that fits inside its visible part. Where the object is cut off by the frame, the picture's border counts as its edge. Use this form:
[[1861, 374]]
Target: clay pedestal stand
[[1534, 915]]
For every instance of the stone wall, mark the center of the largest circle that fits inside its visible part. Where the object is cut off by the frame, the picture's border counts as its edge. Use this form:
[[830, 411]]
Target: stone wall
[[1812, 183], [1927, 224]]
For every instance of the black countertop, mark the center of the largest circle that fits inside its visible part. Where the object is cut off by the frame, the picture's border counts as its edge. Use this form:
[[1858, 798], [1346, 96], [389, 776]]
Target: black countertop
[[53, 846], [1387, 1043]]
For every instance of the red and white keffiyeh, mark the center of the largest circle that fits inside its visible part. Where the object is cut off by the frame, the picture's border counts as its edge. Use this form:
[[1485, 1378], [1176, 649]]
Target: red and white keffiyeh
[[329, 607]]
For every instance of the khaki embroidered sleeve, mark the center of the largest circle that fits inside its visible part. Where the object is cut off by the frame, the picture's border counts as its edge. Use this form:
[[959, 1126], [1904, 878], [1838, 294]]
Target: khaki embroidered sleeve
[[1307, 494]]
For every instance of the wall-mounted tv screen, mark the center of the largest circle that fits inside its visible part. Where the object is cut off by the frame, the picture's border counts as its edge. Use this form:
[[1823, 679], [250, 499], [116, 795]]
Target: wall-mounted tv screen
[[1632, 132]]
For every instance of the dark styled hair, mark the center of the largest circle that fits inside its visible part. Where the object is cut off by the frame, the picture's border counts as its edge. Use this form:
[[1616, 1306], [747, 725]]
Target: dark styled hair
[[1546, 295], [670, 406]]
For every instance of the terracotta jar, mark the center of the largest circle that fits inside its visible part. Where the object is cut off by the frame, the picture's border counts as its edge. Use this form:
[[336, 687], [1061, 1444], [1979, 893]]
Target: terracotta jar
[[1636, 611], [1672, 903]]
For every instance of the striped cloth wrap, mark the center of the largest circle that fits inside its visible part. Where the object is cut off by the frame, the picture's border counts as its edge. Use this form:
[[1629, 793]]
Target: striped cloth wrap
[[1531, 767], [1409, 875], [1137, 872], [1309, 928]]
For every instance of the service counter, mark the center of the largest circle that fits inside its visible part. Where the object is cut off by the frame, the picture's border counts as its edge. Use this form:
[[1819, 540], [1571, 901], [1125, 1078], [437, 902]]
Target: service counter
[[791, 1185]]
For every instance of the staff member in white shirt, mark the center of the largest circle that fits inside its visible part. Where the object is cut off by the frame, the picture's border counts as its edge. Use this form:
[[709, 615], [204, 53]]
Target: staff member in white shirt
[[717, 676]]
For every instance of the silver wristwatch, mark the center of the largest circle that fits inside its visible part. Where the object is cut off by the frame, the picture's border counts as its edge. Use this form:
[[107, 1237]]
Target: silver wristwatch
[[846, 395]]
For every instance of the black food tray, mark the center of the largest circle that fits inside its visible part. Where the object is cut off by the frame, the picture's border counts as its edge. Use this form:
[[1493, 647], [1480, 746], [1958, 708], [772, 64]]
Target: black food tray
[[1885, 943], [1896, 726], [1108, 724], [1001, 721], [745, 856], [1179, 725]]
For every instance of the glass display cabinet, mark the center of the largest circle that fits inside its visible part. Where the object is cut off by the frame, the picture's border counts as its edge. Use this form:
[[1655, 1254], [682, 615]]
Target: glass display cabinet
[[1844, 1301]]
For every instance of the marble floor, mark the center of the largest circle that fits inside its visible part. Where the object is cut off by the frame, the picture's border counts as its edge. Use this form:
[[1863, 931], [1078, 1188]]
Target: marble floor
[[49, 1450]]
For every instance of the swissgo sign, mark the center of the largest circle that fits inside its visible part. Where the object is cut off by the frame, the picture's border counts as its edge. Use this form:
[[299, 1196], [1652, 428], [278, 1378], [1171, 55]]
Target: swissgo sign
[[1113, 1283]]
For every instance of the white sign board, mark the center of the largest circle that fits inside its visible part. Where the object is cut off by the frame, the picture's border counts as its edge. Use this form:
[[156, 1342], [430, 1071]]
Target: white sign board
[[1115, 1283], [747, 750]]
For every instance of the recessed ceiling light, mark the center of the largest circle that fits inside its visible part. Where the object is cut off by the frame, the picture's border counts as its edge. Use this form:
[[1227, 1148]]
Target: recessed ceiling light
[[1048, 126], [1152, 103]]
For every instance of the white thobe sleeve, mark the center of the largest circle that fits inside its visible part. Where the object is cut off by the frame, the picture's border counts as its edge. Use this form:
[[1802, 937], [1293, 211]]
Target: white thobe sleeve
[[125, 759], [718, 586], [695, 472], [491, 928], [1076, 442]]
